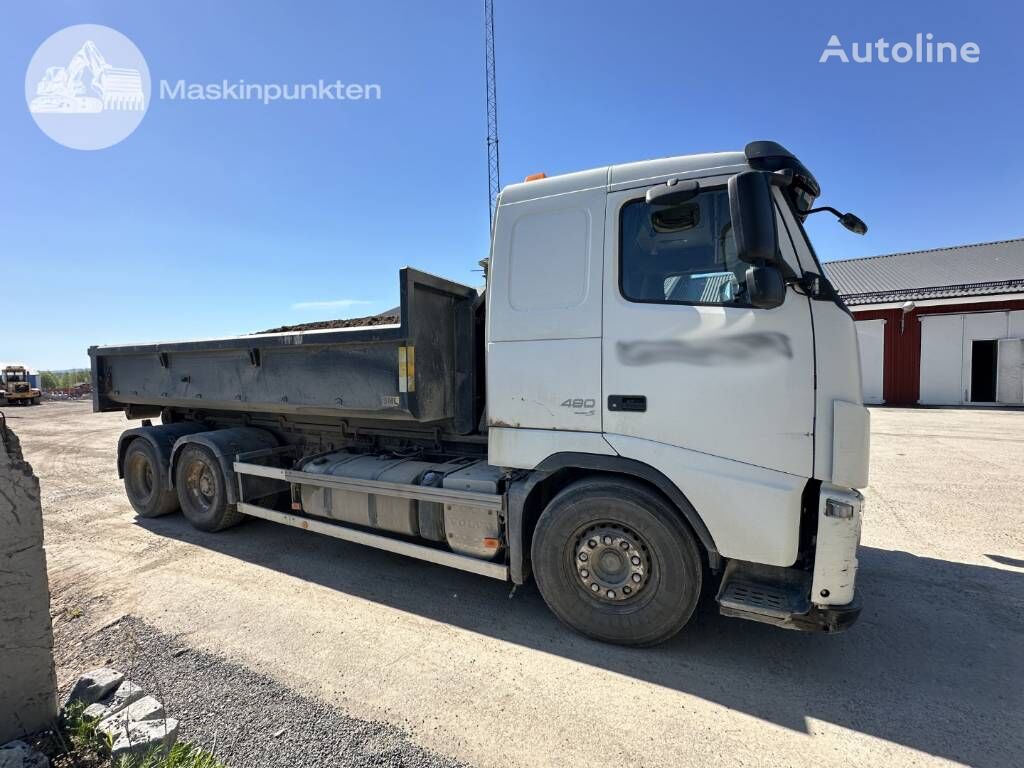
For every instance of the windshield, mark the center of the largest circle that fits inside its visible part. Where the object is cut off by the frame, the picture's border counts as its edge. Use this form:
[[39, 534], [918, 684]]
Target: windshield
[[12, 376]]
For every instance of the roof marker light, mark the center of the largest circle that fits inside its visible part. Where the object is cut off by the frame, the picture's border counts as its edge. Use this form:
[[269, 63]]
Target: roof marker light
[[536, 176]]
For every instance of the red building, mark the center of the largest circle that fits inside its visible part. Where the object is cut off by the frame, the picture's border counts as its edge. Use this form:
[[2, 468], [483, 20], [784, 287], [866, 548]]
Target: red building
[[939, 327]]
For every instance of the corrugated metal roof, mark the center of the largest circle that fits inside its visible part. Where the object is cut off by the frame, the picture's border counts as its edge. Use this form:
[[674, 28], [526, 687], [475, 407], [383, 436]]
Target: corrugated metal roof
[[965, 270]]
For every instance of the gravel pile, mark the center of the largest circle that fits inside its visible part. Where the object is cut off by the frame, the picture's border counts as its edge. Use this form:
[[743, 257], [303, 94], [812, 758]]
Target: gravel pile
[[246, 718]]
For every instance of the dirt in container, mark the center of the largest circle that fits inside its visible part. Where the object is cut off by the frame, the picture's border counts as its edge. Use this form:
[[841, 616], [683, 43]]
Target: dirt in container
[[385, 318]]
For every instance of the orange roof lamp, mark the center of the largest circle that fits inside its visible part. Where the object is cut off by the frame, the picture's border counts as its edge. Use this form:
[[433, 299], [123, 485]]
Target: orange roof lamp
[[536, 176]]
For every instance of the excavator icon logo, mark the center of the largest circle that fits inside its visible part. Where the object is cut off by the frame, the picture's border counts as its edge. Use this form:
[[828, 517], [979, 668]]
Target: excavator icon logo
[[81, 99], [62, 90]]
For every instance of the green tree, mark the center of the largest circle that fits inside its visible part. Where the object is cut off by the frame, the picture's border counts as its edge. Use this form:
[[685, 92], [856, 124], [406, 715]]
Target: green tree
[[62, 379]]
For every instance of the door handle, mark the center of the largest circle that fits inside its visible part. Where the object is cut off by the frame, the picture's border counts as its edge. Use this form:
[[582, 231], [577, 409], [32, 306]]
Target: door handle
[[627, 402]]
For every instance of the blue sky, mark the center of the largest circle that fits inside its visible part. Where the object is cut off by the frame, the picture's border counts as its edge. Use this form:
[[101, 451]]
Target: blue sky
[[227, 217]]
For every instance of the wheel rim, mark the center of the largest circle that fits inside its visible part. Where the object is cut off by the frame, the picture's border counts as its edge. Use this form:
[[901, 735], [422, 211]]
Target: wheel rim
[[201, 485], [611, 563]]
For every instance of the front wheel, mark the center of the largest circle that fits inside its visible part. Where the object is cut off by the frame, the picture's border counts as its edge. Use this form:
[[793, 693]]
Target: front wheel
[[613, 560]]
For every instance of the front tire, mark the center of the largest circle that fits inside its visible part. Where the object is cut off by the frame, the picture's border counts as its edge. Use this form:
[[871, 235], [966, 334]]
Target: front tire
[[146, 482], [202, 490], [614, 561]]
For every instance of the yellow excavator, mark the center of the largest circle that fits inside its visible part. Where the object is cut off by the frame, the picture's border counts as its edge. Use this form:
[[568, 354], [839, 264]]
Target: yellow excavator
[[62, 89], [16, 389]]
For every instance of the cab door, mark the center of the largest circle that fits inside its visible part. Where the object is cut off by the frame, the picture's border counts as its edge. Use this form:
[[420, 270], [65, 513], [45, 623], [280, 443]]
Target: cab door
[[686, 361]]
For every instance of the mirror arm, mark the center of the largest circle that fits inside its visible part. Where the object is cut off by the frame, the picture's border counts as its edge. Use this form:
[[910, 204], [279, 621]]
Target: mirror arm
[[829, 208], [848, 220]]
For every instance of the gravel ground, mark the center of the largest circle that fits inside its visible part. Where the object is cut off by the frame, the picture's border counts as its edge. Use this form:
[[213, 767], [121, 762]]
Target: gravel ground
[[248, 719]]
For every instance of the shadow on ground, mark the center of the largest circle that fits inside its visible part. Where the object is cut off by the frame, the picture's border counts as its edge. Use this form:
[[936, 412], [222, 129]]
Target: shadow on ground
[[935, 662]]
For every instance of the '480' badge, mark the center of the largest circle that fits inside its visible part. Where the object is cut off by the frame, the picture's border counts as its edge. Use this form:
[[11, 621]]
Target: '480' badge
[[581, 406]]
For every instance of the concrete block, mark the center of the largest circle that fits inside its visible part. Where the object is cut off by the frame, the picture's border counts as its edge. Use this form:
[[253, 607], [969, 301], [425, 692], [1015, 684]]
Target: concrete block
[[146, 708], [117, 725], [143, 736], [28, 686], [94, 685], [126, 693]]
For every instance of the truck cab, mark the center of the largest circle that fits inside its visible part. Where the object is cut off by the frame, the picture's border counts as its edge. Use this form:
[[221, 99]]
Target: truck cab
[[624, 325]]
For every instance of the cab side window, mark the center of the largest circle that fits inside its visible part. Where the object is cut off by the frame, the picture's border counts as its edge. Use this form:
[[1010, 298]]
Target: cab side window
[[680, 254]]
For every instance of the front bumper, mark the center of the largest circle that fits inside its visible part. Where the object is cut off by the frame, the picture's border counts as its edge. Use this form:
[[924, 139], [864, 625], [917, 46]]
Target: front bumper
[[748, 593], [817, 600]]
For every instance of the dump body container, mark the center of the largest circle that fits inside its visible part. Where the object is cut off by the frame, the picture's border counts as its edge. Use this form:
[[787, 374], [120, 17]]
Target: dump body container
[[418, 370]]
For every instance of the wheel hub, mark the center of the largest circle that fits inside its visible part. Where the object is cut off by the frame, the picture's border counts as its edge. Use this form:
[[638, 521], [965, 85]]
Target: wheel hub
[[611, 563], [201, 484]]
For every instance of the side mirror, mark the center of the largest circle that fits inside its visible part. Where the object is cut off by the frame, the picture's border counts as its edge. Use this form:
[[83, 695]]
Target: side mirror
[[854, 223], [752, 211], [766, 287]]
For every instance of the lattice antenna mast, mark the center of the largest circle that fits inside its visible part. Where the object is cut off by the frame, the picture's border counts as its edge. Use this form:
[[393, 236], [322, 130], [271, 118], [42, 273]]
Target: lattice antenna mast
[[493, 170]]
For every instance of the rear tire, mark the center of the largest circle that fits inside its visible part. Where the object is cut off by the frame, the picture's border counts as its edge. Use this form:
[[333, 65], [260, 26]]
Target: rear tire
[[202, 490], [614, 561], [146, 482]]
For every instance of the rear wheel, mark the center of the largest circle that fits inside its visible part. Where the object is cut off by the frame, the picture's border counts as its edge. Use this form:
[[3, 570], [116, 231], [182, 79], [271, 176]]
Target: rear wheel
[[146, 482], [202, 490], [614, 561]]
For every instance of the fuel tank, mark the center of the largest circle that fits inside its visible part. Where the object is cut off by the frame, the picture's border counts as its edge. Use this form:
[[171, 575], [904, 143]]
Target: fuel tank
[[466, 529]]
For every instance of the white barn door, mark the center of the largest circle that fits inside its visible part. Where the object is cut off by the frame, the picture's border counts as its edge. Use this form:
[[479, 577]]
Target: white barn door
[[942, 347], [983, 326], [871, 340]]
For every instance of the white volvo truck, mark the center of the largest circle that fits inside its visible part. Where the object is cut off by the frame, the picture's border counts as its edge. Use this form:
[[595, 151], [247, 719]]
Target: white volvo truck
[[656, 396]]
